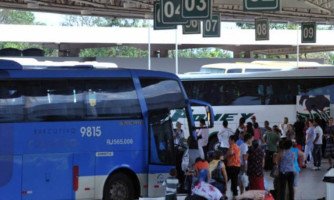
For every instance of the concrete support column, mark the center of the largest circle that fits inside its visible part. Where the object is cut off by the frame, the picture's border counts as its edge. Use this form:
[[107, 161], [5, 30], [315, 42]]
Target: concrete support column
[[236, 54], [159, 53], [68, 52], [247, 54]]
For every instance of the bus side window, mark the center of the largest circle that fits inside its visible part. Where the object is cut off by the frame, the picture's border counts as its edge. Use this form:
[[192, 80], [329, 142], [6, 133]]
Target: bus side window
[[111, 99], [11, 102]]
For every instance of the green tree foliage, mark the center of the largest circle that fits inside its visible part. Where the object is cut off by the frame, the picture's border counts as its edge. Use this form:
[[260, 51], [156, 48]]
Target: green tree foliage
[[202, 53], [16, 17], [282, 26]]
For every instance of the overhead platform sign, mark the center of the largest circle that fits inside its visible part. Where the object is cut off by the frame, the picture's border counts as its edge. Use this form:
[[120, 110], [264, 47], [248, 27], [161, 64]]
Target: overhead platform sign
[[309, 30], [171, 12], [261, 5], [192, 27], [196, 9], [157, 22]]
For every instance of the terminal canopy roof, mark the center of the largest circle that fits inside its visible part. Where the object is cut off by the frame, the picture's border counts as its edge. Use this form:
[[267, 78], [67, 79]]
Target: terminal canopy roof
[[321, 11]]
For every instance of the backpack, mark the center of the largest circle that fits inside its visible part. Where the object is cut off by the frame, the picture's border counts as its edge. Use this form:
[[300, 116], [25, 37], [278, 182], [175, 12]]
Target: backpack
[[217, 173]]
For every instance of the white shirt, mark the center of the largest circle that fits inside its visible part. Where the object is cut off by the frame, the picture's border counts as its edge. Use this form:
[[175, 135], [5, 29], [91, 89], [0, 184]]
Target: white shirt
[[318, 131], [243, 151], [204, 132], [223, 137], [284, 129]]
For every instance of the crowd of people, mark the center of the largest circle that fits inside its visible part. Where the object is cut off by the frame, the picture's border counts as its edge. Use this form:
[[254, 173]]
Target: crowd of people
[[244, 154]]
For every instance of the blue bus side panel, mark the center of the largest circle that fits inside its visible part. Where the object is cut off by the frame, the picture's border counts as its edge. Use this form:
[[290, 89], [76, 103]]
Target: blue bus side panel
[[47, 176], [133, 156], [12, 189], [6, 154]]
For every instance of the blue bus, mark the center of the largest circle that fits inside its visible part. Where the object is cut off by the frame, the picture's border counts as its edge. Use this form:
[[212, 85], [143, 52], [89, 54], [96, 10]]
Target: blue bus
[[84, 133]]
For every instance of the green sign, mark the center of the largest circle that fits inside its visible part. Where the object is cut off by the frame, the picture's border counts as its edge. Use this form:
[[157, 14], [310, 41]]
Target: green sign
[[211, 27], [309, 30], [157, 22], [192, 27], [196, 9], [171, 12], [261, 5], [261, 29]]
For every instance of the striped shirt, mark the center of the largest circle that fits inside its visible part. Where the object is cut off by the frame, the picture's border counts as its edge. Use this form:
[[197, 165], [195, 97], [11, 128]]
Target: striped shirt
[[171, 185]]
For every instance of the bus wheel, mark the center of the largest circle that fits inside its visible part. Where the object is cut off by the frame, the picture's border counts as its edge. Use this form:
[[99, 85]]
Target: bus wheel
[[118, 187]]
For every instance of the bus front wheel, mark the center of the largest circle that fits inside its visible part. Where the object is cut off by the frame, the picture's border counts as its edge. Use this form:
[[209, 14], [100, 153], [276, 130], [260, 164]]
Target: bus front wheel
[[118, 187]]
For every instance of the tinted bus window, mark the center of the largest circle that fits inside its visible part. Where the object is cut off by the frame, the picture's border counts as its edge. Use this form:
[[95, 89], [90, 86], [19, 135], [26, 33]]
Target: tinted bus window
[[111, 99], [162, 94], [62, 100], [11, 102], [257, 92]]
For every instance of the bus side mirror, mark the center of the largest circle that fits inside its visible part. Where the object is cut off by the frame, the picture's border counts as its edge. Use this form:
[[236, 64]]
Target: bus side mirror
[[201, 110]]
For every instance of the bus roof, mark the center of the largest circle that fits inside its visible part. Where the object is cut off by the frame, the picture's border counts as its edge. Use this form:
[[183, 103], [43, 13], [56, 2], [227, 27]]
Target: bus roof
[[13, 69], [256, 66], [34, 63], [292, 73]]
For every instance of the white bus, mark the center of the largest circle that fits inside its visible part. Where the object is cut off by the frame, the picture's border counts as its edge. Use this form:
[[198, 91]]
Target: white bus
[[267, 95], [255, 66]]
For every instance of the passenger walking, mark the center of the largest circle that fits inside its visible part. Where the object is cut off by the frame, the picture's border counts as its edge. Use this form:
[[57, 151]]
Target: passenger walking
[[241, 127], [242, 178], [257, 134], [178, 134], [290, 133], [310, 136], [223, 137], [317, 152], [202, 169], [255, 166], [171, 184], [233, 165], [297, 154], [249, 128], [272, 138], [179, 149], [284, 127], [286, 170], [253, 118], [299, 128], [218, 172], [330, 142], [203, 138]]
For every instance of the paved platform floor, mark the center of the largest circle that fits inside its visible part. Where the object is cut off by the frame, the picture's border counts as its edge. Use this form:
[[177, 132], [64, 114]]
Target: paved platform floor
[[311, 186]]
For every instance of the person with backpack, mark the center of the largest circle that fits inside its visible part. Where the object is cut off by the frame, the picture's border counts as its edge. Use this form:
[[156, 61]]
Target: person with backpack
[[218, 172]]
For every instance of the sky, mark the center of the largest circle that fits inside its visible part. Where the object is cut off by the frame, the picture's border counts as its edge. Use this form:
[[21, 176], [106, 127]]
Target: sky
[[49, 19]]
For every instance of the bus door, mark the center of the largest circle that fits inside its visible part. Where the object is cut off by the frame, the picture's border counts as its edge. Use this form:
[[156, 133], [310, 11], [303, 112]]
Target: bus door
[[47, 176], [161, 151]]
